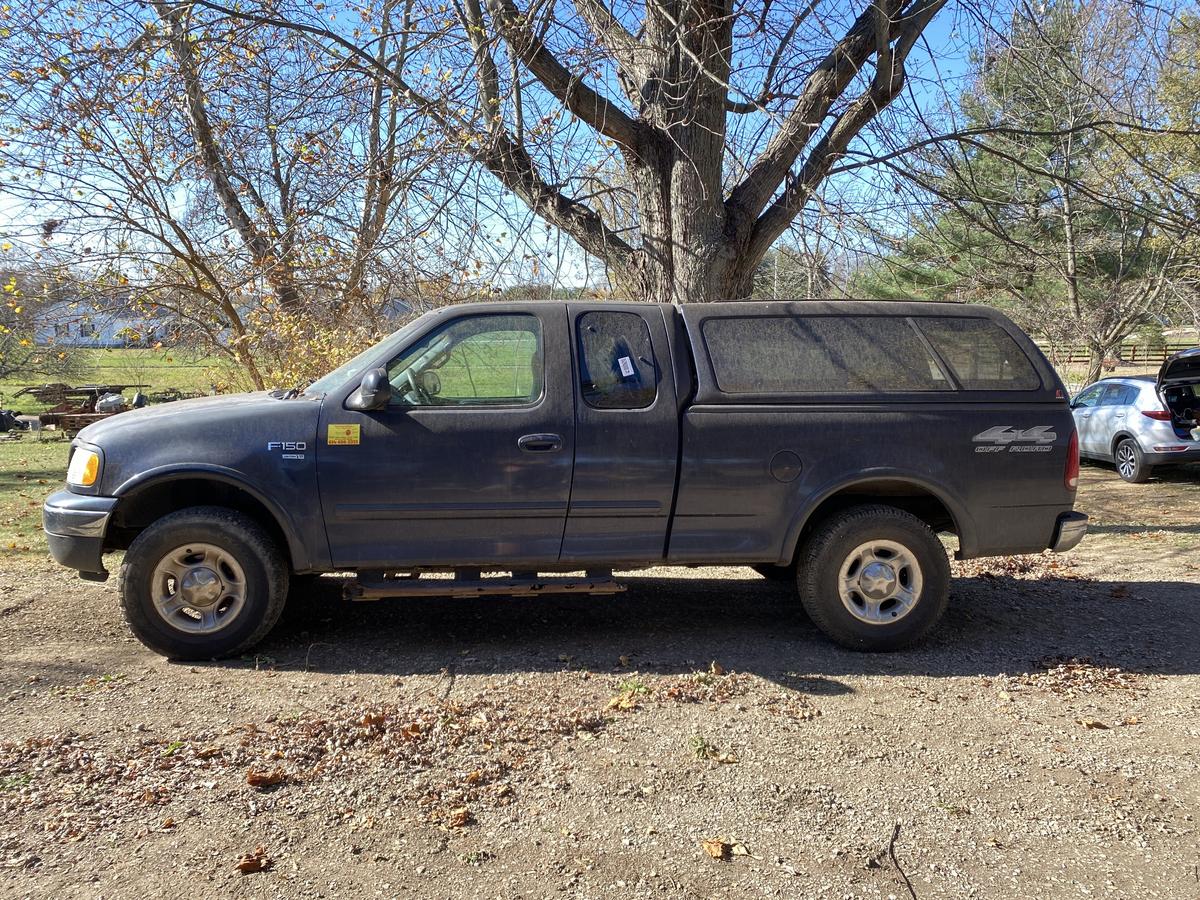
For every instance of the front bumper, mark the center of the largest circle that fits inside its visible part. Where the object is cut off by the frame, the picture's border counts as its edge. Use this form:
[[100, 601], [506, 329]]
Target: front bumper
[[75, 525], [1068, 531]]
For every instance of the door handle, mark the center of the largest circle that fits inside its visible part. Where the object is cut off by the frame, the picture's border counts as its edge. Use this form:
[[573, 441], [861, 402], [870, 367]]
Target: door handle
[[540, 443], [1120, 415], [1085, 415]]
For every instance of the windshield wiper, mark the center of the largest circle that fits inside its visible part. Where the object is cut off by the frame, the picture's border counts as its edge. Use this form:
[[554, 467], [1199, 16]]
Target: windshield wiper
[[297, 390]]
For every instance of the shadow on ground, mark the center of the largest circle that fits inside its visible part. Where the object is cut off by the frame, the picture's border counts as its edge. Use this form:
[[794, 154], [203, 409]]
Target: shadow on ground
[[995, 624]]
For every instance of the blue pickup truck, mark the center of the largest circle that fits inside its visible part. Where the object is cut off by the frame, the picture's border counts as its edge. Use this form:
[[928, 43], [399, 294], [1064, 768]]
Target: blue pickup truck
[[526, 448]]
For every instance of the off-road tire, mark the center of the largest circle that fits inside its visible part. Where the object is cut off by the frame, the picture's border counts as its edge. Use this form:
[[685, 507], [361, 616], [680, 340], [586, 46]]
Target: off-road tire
[[266, 576], [1128, 458], [830, 544]]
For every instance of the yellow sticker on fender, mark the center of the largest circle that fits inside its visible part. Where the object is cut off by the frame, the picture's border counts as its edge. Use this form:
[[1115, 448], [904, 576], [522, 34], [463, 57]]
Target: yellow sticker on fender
[[344, 435]]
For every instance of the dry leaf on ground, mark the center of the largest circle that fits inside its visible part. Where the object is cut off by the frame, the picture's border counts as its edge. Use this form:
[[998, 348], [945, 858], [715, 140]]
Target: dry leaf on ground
[[254, 861], [265, 779]]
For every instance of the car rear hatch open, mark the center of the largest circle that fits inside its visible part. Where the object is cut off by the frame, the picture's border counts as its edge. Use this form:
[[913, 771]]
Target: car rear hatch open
[[1178, 386]]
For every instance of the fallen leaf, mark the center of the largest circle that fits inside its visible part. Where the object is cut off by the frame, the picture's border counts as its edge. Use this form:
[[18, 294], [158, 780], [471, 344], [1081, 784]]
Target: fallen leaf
[[459, 818], [265, 779], [1092, 723], [254, 861], [716, 848], [167, 824], [411, 732], [715, 668], [208, 753], [474, 777], [1132, 720], [626, 700]]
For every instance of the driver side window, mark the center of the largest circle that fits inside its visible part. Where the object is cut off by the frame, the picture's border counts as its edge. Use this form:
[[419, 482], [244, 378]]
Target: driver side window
[[486, 360], [1088, 398]]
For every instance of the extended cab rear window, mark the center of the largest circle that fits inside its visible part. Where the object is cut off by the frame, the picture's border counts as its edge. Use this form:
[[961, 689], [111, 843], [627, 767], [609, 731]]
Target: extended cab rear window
[[820, 354], [981, 354]]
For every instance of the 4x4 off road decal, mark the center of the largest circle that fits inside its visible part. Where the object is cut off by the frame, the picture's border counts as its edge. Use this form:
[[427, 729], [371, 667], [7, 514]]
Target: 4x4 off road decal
[[1005, 438]]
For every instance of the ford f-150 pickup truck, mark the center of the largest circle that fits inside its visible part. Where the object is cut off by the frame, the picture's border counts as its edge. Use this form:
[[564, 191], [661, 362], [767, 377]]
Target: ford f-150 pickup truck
[[524, 448]]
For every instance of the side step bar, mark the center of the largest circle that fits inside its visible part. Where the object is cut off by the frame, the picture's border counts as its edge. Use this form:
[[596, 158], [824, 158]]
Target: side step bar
[[471, 583]]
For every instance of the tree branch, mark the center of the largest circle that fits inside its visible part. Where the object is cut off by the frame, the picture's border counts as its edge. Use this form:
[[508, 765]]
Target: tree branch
[[213, 160], [884, 87], [569, 89]]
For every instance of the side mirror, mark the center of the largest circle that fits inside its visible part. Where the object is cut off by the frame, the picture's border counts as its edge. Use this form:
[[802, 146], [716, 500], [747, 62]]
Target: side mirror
[[373, 392], [431, 382]]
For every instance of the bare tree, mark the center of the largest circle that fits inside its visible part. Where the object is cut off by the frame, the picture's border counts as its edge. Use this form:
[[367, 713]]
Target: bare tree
[[222, 175], [1050, 197], [723, 120]]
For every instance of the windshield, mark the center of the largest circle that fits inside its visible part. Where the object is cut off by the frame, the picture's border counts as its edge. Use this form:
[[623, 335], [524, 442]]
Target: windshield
[[354, 369]]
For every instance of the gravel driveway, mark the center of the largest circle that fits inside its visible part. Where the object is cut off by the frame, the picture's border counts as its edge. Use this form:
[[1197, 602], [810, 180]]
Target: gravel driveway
[[693, 737]]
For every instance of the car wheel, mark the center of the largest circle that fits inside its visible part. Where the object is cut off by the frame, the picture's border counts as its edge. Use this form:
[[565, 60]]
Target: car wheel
[[775, 573], [874, 578], [203, 583], [1131, 462]]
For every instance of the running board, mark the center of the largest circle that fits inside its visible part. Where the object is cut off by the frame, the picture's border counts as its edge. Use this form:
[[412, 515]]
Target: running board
[[380, 585]]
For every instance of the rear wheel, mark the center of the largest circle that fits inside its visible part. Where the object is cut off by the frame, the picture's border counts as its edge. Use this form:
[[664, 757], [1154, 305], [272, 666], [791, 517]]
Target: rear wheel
[[203, 583], [874, 578], [1131, 462]]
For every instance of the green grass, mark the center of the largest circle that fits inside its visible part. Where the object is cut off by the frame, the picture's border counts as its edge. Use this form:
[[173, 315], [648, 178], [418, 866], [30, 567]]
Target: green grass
[[30, 470], [160, 369]]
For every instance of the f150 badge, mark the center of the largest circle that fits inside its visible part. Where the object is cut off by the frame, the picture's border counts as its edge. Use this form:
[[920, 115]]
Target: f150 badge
[[1006, 438], [289, 449]]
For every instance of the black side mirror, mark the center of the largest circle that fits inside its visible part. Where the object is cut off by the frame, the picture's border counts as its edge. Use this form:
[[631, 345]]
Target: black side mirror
[[373, 392]]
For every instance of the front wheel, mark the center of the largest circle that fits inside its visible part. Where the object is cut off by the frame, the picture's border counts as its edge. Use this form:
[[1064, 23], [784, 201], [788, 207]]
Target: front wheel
[[1131, 462], [874, 578], [203, 583]]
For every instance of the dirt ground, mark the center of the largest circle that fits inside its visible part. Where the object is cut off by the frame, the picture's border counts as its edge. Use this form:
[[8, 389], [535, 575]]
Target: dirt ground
[[1045, 743]]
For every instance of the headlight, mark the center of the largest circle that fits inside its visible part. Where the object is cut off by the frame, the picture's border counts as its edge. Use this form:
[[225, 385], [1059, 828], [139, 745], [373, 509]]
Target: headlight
[[84, 467]]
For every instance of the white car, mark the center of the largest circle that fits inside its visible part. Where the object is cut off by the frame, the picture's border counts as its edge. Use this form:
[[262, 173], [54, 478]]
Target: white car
[[1138, 422]]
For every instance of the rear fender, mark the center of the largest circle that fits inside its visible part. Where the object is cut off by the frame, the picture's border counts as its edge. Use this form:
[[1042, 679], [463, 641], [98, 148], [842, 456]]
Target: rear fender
[[964, 525]]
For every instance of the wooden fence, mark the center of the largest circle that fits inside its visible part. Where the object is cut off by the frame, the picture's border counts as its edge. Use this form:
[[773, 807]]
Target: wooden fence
[[1130, 353]]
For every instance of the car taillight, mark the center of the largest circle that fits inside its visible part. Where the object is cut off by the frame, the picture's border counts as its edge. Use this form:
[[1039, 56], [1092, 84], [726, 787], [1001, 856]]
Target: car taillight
[[1160, 415], [1071, 475]]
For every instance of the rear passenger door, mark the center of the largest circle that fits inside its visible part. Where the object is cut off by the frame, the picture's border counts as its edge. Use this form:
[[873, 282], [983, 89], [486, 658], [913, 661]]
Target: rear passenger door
[[626, 437]]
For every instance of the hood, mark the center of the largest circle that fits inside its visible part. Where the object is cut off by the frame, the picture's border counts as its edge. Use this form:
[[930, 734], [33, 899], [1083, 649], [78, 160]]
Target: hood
[[1180, 367], [242, 433], [165, 415]]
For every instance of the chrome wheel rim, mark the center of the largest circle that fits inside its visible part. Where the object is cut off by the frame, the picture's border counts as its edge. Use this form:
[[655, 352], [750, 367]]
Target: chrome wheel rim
[[1126, 461], [198, 588], [880, 582]]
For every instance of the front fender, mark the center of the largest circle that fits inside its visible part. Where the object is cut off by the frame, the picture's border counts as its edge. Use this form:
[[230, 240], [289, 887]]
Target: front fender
[[303, 558]]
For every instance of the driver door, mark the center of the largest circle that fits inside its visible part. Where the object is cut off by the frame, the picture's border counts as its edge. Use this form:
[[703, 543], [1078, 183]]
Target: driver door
[[1084, 410], [470, 464]]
